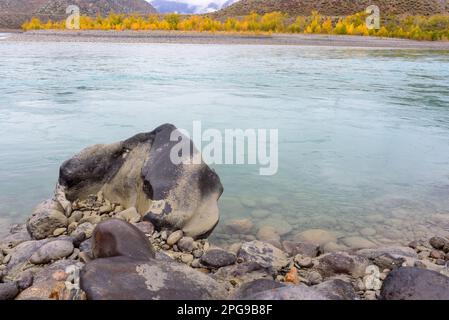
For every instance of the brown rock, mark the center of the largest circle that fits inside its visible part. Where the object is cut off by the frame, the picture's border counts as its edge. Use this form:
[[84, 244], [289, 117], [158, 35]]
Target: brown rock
[[438, 242], [115, 237], [436, 254], [174, 237]]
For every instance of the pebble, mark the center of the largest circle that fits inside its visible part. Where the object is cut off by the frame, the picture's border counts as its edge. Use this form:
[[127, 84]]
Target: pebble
[[359, 285], [53, 250], [164, 235], [292, 276], [436, 254], [165, 247], [303, 262], [370, 295], [372, 278], [59, 275], [174, 237], [235, 248], [196, 263], [72, 227], [8, 291], [438, 242], [130, 215], [146, 227], [420, 264], [279, 278], [85, 227], [75, 254], [186, 258], [414, 244], [76, 216], [25, 280], [93, 219], [423, 254], [314, 277], [84, 257], [420, 248], [197, 253], [105, 209], [59, 231], [118, 209], [185, 244], [217, 258], [6, 259]]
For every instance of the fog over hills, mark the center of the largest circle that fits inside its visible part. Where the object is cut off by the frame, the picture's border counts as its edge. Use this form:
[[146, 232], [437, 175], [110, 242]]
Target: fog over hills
[[190, 6]]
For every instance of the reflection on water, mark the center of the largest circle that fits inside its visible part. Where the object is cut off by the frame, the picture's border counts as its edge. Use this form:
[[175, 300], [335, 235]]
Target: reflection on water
[[364, 134]]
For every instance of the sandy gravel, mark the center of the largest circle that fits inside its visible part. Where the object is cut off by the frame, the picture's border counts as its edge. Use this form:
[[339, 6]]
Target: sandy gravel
[[221, 38]]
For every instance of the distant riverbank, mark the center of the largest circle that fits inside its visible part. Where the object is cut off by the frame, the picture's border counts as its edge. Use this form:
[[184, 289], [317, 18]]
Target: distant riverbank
[[223, 38]]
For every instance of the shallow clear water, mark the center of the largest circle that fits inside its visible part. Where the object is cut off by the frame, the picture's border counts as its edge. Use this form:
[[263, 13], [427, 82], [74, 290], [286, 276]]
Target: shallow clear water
[[364, 134]]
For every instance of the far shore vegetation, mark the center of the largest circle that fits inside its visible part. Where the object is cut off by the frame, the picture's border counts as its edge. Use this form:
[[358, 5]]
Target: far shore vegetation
[[408, 27]]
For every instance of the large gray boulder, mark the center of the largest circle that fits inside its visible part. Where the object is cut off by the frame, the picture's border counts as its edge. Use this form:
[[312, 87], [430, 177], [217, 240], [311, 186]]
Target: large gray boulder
[[125, 268], [409, 283], [123, 278], [139, 172]]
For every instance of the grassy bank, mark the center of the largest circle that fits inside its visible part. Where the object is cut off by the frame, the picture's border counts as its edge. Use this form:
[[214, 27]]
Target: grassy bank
[[408, 27]]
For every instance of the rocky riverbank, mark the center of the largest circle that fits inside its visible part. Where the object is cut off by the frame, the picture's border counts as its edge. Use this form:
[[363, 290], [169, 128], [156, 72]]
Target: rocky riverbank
[[209, 38], [125, 213]]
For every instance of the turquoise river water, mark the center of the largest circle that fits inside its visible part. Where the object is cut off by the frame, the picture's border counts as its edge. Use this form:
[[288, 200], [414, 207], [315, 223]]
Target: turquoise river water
[[363, 133]]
